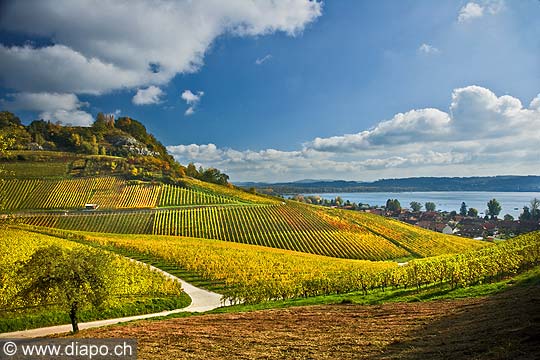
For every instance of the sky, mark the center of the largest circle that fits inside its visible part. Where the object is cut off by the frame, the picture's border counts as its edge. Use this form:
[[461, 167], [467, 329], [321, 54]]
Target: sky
[[293, 89]]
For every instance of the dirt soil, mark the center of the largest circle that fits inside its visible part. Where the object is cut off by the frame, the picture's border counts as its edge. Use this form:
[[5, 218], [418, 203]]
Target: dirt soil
[[504, 326]]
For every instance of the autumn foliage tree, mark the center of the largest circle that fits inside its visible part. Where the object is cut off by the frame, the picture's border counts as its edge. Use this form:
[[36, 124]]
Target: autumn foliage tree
[[71, 278]]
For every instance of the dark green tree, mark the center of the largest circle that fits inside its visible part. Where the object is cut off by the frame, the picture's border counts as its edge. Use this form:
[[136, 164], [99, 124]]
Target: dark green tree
[[393, 205], [430, 206], [494, 208], [535, 209], [508, 217], [463, 209], [415, 206], [472, 212], [191, 171], [100, 125], [525, 215], [71, 278], [214, 176]]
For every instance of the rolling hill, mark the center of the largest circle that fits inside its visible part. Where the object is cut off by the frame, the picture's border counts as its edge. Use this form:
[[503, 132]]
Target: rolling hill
[[199, 209]]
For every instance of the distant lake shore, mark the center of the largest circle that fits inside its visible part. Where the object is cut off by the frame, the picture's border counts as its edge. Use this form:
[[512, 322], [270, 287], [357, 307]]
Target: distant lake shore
[[511, 202]]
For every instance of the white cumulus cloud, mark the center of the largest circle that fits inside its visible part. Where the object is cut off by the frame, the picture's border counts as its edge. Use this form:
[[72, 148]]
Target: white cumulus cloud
[[94, 52], [150, 95], [470, 11], [473, 10], [192, 99], [55, 107], [428, 49], [480, 133]]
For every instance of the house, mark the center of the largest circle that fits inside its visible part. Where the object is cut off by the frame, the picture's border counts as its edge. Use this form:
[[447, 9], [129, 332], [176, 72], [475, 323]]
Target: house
[[426, 224], [431, 216], [471, 230], [490, 228], [447, 230], [376, 211], [439, 226]]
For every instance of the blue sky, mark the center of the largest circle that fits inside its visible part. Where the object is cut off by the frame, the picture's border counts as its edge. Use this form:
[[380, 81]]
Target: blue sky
[[276, 91]]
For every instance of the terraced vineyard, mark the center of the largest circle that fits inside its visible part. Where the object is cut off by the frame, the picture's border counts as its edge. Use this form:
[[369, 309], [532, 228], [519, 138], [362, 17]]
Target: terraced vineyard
[[177, 196], [289, 226], [230, 192], [115, 193], [107, 192]]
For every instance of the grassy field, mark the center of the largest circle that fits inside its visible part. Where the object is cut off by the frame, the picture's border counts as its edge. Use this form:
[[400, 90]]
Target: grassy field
[[35, 170]]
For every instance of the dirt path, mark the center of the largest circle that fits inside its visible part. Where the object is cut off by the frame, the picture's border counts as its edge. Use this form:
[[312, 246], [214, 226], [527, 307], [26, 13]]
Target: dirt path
[[504, 326], [201, 300]]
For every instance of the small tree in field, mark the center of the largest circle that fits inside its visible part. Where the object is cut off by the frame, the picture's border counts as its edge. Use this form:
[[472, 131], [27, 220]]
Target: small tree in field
[[71, 278]]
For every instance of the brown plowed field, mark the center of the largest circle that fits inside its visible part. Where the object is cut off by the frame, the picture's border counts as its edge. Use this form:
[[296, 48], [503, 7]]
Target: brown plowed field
[[504, 326]]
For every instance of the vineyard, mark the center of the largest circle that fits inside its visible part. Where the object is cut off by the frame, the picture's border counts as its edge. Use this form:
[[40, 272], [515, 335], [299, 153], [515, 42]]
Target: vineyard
[[289, 226], [253, 273], [128, 279], [415, 240], [113, 193], [174, 195], [203, 210], [279, 226], [107, 192], [231, 192]]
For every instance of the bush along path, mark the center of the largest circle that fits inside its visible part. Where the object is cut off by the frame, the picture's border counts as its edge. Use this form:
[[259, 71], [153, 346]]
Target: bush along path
[[201, 300]]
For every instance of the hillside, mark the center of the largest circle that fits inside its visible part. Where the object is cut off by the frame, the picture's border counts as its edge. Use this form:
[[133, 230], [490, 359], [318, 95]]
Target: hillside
[[477, 183], [202, 210], [53, 171]]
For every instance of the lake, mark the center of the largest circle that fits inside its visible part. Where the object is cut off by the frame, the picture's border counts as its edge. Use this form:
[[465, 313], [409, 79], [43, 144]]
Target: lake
[[445, 200]]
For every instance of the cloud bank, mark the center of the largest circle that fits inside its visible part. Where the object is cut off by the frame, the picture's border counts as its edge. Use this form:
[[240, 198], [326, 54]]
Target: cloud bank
[[480, 133], [64, 108], [94, 50]]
